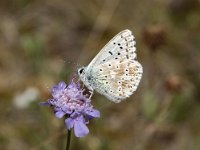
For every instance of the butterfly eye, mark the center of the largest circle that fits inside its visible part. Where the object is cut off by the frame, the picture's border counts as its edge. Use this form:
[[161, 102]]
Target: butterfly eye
[[81, 71]]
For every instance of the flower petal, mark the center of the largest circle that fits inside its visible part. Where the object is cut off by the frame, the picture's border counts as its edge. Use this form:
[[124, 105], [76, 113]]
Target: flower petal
[[67, 110], [55, 92], [80, 129], [44, 104], [93, 113], [72, 85], [62, 85], [70, 123], [60, 114], [52, 101]]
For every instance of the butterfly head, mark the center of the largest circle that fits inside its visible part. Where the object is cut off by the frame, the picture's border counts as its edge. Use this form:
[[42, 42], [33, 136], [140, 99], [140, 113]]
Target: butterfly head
[[84, 77], [81, 73]]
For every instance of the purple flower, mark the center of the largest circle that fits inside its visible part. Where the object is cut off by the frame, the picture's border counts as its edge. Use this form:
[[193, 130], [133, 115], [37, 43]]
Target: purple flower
[[70, 101]]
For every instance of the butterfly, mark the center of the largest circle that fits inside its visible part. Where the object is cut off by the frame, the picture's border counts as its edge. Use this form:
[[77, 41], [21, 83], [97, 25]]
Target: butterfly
[[114, 72]]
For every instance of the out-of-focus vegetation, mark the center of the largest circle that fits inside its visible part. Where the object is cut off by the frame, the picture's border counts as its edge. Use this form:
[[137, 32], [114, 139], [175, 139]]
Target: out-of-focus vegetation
[[44, 41]]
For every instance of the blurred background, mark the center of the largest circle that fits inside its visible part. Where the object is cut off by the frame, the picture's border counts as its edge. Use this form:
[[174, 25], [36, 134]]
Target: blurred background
[[44, 41]]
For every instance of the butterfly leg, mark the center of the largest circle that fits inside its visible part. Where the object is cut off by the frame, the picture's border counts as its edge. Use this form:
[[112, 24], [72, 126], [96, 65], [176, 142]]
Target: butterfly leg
[[91, 93]]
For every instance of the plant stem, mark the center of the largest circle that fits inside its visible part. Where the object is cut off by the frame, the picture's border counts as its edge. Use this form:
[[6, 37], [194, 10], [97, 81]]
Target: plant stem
[[68, 139]]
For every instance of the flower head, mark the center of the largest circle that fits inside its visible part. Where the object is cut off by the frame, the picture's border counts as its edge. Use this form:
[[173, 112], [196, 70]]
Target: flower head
[[69, 100]]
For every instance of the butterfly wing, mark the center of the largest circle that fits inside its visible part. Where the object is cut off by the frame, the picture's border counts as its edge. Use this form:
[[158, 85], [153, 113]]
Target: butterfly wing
[[117, 80], [123, 44]]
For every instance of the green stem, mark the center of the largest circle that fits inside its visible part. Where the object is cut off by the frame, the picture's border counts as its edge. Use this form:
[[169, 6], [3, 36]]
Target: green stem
[[68, 139]]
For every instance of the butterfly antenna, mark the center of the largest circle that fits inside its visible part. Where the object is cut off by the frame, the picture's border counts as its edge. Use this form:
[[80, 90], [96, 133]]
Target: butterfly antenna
[[78, 66]]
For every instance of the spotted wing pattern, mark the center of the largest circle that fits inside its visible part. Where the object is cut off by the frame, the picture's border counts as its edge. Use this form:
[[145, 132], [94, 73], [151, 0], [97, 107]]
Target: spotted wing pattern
[[117, 80], [114, 72]]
